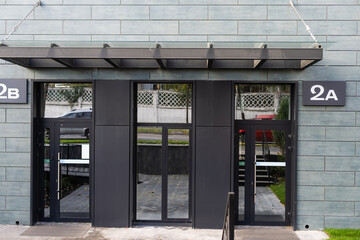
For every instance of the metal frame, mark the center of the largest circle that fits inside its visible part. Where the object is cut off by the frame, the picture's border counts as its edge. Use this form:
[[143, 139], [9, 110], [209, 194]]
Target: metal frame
[[291, 127], [157, 57], [164, 149]]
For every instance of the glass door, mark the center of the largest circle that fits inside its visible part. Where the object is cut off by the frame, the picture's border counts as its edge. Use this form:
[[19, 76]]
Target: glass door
[[66, 172], [263, 160]]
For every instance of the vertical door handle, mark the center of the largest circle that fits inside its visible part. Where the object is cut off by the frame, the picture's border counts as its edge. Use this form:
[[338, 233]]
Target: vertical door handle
[[58, 176], [255, 178]]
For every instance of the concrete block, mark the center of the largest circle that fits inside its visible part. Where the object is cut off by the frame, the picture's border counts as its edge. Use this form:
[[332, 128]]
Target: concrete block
[[31, 2], [178, 12], [91, 27], [14, 71], [18, 115], [310, 163], [343, 43], [126, 38], [287, 13], [17, 203], [326, 118], [125, 74], [326, 208], [14, 130], [348, 73], [310, 74], [342, 222], [358, 58], [343, 13], [207, 1], [149, 27], [63, 12], [337, 58], [343, 134], [237, 75], [120, 12], [70, 38], [311, 133], [328, 2], [344, 194], [14, 12], [208, 27], [351, 89], [17, 174], [2, 203], [357, 179], [352, 104], [179, 75], [330, 27], [2, 144], [2, 174], [357, 209], [63, 73], [182, 38], [358, 88], [237, 12], [91, 2], [267, 28], [310, 193], [342, 164], [2, 115], [11, 217], [326, 148], [15, 159], [2, 27], [151, 2], [36, 27], [313, 178], [15, 188], [313, 222], [232, 38]]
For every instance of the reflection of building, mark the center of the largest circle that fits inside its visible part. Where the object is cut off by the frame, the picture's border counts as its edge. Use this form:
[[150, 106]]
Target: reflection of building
[[181, 88]]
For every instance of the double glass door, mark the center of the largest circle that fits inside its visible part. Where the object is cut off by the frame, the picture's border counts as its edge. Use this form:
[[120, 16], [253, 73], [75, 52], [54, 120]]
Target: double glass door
[[65, 171], [163, 166], [262, 170]]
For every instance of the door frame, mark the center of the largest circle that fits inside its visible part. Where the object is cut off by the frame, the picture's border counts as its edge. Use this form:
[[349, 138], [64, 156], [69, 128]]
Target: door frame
[[250, 126], [55, 125]]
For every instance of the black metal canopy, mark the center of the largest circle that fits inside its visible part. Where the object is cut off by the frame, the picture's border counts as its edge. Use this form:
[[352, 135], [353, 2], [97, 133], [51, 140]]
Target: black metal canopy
[[212, 57]]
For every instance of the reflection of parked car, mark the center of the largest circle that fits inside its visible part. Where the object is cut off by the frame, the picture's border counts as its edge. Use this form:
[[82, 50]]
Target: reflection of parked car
[[77, 113], [260, 133]]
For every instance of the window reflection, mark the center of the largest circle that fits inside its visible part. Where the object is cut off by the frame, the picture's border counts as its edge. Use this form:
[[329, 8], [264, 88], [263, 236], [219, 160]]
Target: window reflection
[[262, 102]]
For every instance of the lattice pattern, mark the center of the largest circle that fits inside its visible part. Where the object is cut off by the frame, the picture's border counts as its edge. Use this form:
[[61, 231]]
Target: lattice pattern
[[55, 95], [145, 98], [257, 100], [163, 98]]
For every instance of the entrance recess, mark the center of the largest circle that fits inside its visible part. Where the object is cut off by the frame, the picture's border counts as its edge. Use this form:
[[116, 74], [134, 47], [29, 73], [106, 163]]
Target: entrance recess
[[65, 161], [263, 159]]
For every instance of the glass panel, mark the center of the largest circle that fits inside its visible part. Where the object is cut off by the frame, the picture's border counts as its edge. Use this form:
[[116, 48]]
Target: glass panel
[[262, 102], [270, 176], [46, 172], [178, 173], [164, 103], [74, 177], [149, 169], [241, 164], [66, 100]]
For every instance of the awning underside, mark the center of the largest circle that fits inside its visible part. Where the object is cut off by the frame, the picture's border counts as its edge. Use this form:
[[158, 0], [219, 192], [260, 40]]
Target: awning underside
[[160, 57]]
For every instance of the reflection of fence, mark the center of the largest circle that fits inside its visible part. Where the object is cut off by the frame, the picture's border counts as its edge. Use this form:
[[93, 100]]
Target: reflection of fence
[[59, 95], [163, 98], [259, 101]]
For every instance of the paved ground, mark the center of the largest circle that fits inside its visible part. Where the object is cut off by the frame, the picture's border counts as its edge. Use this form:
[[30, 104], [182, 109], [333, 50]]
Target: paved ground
[[68, 231]]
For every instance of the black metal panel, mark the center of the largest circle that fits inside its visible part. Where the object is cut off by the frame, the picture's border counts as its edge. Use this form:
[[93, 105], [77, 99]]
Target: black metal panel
[[213, 103], [112, 102], [212, 175], [112, 176]]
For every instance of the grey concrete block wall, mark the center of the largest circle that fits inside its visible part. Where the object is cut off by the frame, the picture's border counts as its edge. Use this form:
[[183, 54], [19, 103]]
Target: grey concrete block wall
[[15, 163], [329, 144]]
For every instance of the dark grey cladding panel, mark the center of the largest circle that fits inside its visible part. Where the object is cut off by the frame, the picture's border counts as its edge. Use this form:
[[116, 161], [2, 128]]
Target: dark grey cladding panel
[[213, 103], [112, 176], [112, 102], [213, 156]]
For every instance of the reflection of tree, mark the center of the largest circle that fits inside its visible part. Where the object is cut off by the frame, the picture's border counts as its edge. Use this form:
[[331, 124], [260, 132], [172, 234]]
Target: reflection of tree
[[72, 96], [283, 114]]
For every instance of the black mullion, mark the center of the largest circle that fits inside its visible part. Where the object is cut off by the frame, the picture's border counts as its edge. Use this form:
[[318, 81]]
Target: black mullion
[[164, 184], [236, 174], [190, 174], [52, 173], [287, 177], [250, 176]]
